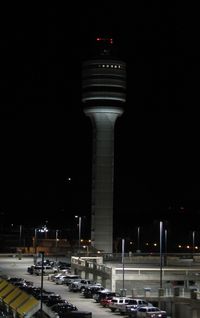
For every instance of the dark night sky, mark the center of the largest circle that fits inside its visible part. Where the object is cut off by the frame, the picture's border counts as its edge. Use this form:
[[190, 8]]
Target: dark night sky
[[45, 137]]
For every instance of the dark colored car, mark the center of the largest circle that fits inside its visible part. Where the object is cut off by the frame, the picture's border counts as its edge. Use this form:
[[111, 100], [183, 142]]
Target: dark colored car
[[103, 294], [4, 314], [15, 280], [36, 292], [91, 290], [78, 314], [53, 300], [63, 308]]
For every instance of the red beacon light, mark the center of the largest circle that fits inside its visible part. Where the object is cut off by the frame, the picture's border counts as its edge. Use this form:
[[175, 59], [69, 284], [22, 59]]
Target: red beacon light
[[108, 40]]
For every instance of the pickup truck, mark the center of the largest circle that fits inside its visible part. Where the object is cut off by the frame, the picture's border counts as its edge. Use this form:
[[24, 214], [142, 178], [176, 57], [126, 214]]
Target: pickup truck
[[80, 285]]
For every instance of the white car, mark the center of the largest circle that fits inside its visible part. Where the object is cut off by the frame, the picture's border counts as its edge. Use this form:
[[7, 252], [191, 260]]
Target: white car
[[150, 312], [80, 285], [60, 280], [117, 302], [133, 305], [53, 277], [46, 270]]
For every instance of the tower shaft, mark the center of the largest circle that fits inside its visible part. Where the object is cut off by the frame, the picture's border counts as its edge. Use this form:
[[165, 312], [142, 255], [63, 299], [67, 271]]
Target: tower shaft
[[103, 122]]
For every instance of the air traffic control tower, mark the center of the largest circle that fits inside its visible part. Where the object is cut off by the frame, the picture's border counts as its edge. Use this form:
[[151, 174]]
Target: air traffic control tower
[[103, 96]]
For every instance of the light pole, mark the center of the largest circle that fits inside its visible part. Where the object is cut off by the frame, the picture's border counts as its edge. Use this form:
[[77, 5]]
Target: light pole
[[165, 258], [161, 262], [42, 279], [193, 241], [123, 290], [20, 242], [35, 246], [20, 235], [56, 243], [35, 241], [87, 249], [79, 231], [138, 239], [42, 229], [166, 241]]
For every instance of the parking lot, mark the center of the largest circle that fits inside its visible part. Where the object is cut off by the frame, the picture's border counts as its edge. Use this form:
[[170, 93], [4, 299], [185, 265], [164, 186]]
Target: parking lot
[[15, 267]]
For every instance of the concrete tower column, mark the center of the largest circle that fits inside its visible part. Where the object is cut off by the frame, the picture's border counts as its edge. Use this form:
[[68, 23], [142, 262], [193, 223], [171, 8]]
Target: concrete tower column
[[103, 121]]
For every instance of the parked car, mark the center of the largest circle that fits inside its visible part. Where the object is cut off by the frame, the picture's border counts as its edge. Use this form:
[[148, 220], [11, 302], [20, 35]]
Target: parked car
[[36, 292], [53, 299], [90, 290], [101, 294], [78, 314], [5, 315], [105, 302], [80, 285], [14, 280], [70, 278], [61, 279], [30, 269], [47, 269], [117, 302], [150, 312], [55, 276], [63, 308], [62, 267], [46, 262], [133, 305]]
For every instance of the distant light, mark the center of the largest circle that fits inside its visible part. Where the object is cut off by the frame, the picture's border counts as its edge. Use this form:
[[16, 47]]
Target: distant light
[[43, 229], [109, 40], [68, 179]]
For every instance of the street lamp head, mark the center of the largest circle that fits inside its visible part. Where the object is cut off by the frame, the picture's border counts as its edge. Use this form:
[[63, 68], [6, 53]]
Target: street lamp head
[[43, 229]]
